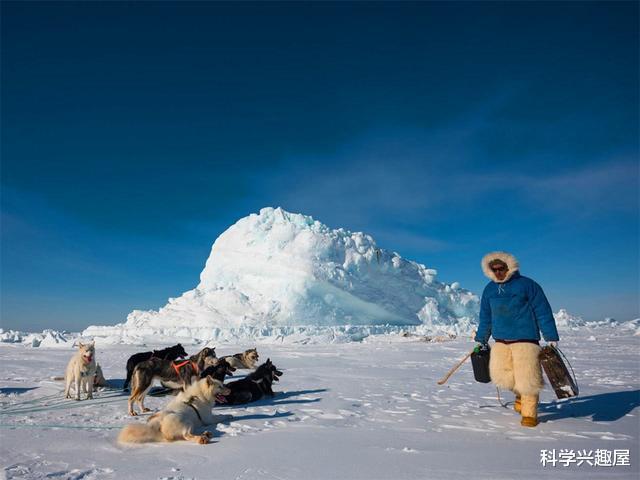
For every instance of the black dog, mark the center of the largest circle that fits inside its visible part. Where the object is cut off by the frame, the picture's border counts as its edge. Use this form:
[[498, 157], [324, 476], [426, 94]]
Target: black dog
[[171, 374], [218, 371], [169, 353], [255, 385]]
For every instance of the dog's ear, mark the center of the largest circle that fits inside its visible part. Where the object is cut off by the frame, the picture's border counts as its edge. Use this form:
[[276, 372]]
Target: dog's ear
[[80, 345], [209, 380], [268, 361], [93, 343]]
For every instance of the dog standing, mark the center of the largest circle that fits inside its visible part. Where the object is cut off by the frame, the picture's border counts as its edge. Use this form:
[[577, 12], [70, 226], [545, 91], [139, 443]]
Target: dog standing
[[171, 374], [81, 370], [246, 359], [169, 353], [190, 410]]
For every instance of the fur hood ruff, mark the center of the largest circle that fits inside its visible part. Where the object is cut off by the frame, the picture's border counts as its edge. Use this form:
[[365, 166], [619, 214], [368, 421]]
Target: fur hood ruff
[[507, 258]]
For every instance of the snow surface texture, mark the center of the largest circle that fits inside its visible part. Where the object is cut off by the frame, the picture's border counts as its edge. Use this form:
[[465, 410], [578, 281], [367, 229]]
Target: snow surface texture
[[370, 410], [282, 276]]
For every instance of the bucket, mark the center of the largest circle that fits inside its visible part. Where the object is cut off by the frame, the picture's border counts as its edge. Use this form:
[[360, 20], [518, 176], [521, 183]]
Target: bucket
[[480, 363]]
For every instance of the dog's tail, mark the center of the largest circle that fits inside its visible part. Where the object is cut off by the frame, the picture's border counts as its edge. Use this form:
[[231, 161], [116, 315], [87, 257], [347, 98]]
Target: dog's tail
[[141, 433]]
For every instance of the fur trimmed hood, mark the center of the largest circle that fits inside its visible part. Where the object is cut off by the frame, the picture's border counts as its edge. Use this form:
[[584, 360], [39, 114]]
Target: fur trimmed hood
[[507, 258]]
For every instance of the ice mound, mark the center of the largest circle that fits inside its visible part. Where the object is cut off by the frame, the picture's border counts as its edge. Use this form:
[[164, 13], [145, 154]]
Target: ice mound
[[632, 326], [278, 276], [11, 336], [48, 338], [565, 320]]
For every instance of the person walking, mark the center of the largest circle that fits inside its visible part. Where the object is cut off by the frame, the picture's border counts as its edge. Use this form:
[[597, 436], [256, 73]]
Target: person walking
[[514, 310]]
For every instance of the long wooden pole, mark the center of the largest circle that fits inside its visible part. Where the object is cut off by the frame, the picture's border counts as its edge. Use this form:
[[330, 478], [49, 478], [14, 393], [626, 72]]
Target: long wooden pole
[[444, 379]]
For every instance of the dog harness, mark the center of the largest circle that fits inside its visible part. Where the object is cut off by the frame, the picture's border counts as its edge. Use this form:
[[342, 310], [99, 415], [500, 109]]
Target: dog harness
[[178, 366], [190, 403]]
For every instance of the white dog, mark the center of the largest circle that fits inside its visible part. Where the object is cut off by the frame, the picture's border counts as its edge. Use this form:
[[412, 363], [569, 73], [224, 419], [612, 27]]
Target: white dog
[[188, 411], [81, 370]]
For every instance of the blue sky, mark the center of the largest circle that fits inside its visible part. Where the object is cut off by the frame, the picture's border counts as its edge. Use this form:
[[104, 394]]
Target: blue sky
[[134, 133]]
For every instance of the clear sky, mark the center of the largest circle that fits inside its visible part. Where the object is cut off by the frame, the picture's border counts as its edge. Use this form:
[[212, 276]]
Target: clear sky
[[134, 133]]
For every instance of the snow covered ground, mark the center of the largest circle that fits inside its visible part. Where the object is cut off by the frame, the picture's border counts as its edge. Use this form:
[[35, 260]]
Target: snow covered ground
[[369, 410]]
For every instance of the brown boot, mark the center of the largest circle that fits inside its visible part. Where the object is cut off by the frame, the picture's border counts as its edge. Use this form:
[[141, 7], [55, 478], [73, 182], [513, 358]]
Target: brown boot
[[529, 410], [517, 405]]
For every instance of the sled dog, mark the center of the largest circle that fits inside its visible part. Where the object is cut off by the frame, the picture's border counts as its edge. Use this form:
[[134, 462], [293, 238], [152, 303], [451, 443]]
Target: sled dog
[[189, 411], [171, 374], [98, 379], [255, 385], [169, 353], [246, 359], [218, 371], [81, 371]]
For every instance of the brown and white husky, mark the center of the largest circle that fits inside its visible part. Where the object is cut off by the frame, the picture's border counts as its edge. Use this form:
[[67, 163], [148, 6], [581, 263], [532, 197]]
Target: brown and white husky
[[246, 359]]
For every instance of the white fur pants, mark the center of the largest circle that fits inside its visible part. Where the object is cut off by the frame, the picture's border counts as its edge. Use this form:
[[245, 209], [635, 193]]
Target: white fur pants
[[516, 367]]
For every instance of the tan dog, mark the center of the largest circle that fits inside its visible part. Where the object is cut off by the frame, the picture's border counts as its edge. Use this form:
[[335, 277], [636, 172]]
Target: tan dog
[[81, 371], [187, 412], [99, 380], [246, 359]]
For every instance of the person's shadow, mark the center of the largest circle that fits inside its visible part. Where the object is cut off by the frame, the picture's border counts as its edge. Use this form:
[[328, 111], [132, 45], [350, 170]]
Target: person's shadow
[[604, 407]]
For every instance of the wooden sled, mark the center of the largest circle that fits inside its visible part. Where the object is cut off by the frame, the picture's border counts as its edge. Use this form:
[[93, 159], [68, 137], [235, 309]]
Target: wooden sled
[[561, 380]]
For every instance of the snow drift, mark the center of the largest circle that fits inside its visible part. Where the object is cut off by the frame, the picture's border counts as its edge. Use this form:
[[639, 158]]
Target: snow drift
[[282, 276]]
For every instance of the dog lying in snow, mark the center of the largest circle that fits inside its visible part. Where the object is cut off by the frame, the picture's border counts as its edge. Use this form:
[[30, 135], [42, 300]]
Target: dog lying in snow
[[219, 371], [188, 411], [246, 359], [255, 385], [98, 379], [81, 371]]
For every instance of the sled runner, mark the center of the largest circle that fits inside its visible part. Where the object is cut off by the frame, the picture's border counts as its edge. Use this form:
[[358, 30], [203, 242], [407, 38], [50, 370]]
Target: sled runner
[[562, 382]]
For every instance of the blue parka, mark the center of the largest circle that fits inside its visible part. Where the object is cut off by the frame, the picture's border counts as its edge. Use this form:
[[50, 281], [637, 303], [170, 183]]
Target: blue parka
[[515, 309]]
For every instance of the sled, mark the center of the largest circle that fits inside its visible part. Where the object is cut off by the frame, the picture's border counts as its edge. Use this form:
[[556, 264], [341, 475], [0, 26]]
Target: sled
[[563, 383]]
